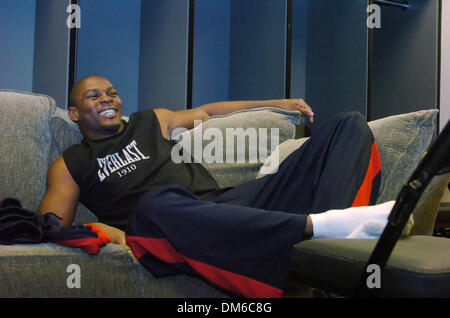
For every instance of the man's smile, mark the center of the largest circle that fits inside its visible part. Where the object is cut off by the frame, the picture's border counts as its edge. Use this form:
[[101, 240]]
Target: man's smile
[[108, 113]]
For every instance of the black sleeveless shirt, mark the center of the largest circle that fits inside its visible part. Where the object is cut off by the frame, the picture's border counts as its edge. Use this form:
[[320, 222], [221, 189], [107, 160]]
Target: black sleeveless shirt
[[112, 173]]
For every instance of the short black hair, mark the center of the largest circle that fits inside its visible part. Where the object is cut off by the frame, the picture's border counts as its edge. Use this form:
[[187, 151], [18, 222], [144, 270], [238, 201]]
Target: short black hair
[[74, 90]]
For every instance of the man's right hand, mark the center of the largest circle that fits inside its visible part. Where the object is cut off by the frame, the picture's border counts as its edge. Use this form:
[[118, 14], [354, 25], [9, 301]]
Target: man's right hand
[[117, 236]]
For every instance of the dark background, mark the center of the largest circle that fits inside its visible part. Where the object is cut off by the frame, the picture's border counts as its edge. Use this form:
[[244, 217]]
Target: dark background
[[185, 53]]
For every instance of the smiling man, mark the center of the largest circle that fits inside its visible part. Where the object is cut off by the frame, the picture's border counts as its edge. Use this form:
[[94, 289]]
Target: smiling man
[[176, 214], [96, 120]]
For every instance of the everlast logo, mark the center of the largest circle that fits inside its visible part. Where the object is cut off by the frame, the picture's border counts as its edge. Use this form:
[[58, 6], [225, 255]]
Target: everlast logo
[[119, 160]]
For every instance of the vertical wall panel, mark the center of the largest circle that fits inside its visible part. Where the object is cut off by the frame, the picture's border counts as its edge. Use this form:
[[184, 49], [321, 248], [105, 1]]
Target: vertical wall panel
[[257, 49], [51, 50], [17, 44], [108, 45], [336, 57], [404, 72], [163, 55], [211, 51]]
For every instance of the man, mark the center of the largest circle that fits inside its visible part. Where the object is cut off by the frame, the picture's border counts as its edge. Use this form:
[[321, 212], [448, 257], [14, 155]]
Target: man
[[178, 220]]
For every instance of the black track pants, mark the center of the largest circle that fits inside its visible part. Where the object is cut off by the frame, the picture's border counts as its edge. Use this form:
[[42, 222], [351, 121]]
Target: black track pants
[[242, 240]]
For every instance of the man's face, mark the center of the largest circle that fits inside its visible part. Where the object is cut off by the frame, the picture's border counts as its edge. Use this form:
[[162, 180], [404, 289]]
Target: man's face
[[98, 109]]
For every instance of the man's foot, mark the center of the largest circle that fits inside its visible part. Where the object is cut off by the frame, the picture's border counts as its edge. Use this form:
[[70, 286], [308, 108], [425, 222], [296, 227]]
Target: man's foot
[[355, 222]]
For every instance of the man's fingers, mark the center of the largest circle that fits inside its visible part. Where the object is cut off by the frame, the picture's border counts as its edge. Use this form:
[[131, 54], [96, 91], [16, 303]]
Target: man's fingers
[[306, 110]]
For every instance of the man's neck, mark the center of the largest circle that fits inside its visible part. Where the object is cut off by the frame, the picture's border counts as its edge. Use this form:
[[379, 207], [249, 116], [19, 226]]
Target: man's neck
[[105, 133]]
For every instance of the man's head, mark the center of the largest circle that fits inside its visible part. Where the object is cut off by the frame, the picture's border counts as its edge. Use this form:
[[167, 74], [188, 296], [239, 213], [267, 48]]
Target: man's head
[[96, 107]]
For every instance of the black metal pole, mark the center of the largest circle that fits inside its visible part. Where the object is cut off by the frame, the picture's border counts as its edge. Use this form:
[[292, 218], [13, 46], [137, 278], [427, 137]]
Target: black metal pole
[[190, 66], [72, 58], [288, 49]]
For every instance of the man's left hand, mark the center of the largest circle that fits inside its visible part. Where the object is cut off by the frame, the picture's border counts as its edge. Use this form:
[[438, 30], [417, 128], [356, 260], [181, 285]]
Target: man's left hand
[[296, 104]]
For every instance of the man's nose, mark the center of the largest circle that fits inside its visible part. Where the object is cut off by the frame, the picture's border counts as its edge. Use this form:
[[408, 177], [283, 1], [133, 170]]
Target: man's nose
[[106, 99]]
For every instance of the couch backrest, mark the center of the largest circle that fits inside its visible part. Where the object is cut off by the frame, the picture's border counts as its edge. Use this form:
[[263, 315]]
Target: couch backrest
[[264, 129], [66, 133], [25, 146], [34, 133], [227, 174]]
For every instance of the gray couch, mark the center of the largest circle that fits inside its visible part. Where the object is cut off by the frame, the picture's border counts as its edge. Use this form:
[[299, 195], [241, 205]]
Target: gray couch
[[34, 132]]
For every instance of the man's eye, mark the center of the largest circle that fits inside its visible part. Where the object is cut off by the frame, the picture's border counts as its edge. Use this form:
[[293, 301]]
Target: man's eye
[[92, 96]]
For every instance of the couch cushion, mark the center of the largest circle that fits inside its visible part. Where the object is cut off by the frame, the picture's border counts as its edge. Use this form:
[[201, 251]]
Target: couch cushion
[[259, 123], [25, 145], [419, 266], [65, 132], [40, 270], [280, 153], [401, 139]]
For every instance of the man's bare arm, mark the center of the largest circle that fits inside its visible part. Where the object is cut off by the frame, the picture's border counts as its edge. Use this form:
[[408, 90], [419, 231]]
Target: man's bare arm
[[62, 193], [170, 120], [223, 108], [62, 196]]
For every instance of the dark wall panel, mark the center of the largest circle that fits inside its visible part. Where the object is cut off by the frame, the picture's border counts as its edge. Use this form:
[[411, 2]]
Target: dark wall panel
[[404, 69], [336, 57], [17, 44], [211, 51], [108, 45], [51, 50], [257, 49], [163, 54]]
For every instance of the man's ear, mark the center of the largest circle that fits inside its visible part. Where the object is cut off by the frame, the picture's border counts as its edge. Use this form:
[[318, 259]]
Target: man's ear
[[73, 113]]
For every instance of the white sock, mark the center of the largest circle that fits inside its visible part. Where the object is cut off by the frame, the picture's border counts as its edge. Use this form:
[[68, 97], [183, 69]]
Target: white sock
[[356, 222]]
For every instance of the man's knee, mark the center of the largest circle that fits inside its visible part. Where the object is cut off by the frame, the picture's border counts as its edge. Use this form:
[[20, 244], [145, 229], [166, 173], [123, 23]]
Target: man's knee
[[160, 200], [352, 116], [355, 122]]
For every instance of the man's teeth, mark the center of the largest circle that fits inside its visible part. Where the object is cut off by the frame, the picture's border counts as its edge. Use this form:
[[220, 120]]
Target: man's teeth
[[108, 112]]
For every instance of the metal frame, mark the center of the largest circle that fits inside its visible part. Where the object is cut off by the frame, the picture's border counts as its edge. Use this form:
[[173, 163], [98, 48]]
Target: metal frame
[[400, 4], [72, 58]]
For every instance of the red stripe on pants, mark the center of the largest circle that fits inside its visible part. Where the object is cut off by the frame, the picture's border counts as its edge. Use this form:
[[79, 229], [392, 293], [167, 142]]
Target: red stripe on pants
[[162, 249], [363, 196]]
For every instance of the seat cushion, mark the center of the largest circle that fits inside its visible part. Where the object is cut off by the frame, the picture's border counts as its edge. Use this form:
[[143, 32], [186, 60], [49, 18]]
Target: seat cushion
[[419, 266], [42, 270]]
